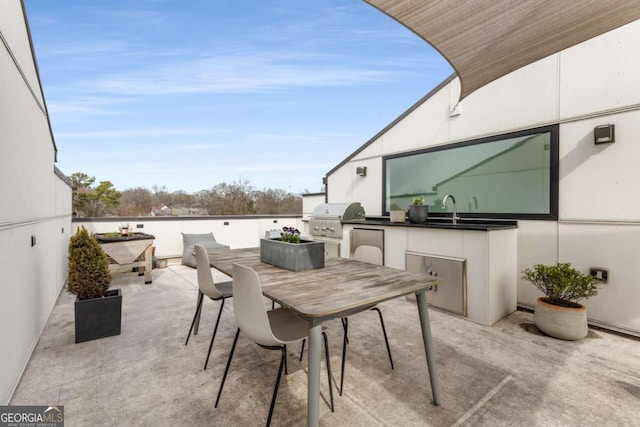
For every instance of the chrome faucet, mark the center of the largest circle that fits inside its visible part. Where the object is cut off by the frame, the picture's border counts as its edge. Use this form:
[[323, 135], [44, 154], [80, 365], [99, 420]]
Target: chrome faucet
[[455, 216]]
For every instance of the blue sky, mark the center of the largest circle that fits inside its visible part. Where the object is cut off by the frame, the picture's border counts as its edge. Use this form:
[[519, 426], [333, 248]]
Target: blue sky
[[189, 94]]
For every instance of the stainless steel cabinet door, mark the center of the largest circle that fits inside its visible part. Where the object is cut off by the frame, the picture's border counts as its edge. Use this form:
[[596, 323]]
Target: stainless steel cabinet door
[[452, 294]]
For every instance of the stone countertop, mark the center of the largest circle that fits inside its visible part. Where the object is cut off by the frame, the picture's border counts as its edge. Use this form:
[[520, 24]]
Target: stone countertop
[[443, 223]]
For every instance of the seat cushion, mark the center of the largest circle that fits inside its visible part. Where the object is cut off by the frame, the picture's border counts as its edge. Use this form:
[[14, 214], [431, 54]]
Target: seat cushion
[[225, 288], [286, 326], [205, 240]]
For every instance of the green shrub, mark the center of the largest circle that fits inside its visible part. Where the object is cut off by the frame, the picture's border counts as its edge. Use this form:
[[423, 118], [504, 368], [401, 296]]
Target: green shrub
[[418, 200], [561, 283], [89, 275]]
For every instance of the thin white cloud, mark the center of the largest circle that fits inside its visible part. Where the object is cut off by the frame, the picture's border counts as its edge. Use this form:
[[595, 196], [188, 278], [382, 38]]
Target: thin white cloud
[[75, 103], [79, 49], [129, 133], [62, 107], [130, 15], [249, 72], [276, 167]]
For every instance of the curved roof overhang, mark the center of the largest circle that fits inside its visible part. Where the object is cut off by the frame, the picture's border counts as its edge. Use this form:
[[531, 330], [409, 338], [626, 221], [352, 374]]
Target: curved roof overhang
[[484, 40]]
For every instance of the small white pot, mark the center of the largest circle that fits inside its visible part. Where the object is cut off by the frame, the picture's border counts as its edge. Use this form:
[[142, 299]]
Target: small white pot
[[397, 216], [566, 323]]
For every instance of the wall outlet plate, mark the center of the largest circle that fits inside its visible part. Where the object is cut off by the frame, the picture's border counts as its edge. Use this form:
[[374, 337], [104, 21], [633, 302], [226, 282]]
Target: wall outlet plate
[[600, 274]]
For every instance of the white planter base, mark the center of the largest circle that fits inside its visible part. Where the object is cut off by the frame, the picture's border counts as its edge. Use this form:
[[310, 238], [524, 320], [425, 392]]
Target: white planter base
[[561, 322]]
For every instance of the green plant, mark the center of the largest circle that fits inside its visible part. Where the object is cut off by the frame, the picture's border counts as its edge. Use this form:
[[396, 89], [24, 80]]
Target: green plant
[[92, 201], [290, 235], [562, 284], [418, 200], [110, 235], [89, 275]]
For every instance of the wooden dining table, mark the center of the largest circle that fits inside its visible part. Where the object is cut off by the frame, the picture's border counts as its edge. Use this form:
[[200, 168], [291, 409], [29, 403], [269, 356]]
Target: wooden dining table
[[341, 288]]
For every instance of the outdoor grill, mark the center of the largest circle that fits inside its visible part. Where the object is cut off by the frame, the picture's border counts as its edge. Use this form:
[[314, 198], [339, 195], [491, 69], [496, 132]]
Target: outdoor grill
[[326, 219]]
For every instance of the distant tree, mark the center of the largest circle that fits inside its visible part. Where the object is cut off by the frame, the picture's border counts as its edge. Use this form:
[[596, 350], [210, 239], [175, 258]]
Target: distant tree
[[81, 180], [101, 198], [231, 199], [160, 191], [277, 201], [80, 187], [180, 199], [291, 204], [236, 198], [135, 202], [207, 200]]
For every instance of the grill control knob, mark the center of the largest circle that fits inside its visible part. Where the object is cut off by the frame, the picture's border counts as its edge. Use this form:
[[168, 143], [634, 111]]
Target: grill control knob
[[332, 229]]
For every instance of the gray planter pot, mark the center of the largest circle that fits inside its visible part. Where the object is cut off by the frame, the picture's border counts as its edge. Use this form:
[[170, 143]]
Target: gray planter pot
[[98, 317], [305, 255], [418, 214], [566, 323]]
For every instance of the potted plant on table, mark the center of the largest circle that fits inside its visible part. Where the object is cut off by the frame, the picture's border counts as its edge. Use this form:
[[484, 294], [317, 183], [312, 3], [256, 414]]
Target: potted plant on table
[[291, 252], [290, 235], [559, 314], [418, 211], [97, 309]]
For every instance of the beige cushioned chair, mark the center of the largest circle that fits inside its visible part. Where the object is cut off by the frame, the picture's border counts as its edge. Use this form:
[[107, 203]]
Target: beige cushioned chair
[[272, 329], [207, 286]]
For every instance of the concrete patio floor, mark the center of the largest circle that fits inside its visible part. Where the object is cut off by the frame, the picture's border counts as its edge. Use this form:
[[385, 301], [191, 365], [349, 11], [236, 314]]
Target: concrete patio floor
[[507, 374]]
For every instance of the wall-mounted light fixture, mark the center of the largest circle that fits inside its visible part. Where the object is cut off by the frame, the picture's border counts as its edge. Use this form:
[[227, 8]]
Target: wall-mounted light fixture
[[604, 133], [361, 171]]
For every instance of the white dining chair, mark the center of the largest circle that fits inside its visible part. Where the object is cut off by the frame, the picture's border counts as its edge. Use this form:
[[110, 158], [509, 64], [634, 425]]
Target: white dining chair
[[207, 286], [270, 329]]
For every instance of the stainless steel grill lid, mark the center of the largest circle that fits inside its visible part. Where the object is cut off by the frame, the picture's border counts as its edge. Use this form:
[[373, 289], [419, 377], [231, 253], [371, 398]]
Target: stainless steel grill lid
[[340, 211], [326, 219]]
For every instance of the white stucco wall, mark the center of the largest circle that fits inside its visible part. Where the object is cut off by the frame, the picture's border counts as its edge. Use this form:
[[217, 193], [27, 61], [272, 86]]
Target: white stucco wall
[[310, 202], [593, 83], [35, 203], [12, 25]]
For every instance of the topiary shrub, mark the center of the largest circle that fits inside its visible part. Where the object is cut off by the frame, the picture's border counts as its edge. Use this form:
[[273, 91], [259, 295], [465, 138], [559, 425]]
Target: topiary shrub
[[562, 284], [89, 275]]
